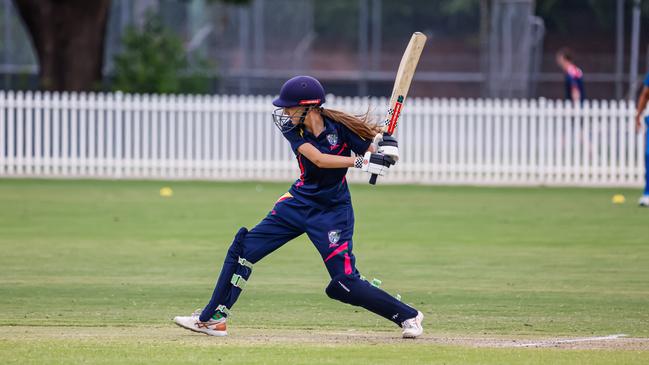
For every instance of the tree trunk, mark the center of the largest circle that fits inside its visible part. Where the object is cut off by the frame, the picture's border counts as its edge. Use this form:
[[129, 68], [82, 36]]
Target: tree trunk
[[68, 36]]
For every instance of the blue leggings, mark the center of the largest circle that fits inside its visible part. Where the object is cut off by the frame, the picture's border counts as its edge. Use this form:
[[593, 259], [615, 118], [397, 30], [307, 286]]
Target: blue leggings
[[331, 233]]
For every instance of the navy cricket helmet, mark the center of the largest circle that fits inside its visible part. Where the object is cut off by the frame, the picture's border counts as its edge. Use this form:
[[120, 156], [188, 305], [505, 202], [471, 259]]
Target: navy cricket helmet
[[300, 91], [304, 91]]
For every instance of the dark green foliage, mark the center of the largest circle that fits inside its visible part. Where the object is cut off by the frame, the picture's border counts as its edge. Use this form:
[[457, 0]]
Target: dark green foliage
[[154, 61]]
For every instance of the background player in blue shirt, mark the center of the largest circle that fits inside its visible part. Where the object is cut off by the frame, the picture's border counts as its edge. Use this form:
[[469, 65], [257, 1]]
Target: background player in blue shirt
[[317, 204], [642, 104], [573, 76]]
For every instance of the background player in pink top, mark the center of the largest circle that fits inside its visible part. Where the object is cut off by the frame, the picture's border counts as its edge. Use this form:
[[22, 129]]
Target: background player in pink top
[[574, 77]]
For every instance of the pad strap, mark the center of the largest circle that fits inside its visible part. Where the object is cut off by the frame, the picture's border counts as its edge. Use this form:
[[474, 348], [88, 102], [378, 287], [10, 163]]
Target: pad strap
[[238, 281], [244, 262], [223, 309]]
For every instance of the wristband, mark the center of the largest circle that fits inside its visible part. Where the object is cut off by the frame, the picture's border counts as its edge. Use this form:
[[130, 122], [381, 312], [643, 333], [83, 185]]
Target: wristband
[[358, 163]]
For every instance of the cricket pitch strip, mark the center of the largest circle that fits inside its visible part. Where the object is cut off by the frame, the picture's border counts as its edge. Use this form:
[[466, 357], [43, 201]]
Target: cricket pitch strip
[[264, 336]]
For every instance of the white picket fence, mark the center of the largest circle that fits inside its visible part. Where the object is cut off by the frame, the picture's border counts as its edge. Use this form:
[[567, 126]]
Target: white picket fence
[[478, 142]]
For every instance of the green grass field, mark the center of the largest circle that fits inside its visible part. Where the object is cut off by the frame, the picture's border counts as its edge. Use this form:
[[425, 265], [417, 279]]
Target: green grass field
[[93, 271]]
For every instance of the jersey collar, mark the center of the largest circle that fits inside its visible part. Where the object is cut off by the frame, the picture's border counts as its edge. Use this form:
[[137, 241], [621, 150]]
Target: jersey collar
[[329, 127]]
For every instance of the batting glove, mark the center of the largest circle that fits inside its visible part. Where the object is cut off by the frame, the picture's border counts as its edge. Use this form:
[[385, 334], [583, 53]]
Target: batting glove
[[374, 163], [389, 146]]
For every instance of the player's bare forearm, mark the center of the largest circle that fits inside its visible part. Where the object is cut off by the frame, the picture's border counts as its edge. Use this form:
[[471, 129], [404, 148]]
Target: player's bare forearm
[[642, 101], [323, 160], [642, 104]]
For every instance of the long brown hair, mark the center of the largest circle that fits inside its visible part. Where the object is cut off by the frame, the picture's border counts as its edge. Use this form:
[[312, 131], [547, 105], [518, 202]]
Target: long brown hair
[[362, 125]]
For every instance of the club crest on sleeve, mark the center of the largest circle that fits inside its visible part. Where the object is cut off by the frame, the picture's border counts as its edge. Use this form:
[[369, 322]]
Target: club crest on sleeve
[[334, 236], [332, 138]]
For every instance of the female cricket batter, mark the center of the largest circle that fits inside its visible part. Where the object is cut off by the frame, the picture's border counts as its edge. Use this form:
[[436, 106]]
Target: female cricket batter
[[317, 204]]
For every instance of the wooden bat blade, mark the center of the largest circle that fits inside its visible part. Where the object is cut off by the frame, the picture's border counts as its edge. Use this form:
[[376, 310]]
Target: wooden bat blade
[[406, 71]]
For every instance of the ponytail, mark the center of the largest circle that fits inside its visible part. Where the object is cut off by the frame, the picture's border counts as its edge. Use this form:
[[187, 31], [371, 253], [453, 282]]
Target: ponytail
[[361, 125]]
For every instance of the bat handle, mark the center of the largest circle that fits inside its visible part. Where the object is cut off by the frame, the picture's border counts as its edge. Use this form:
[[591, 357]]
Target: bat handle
[[373, 179]]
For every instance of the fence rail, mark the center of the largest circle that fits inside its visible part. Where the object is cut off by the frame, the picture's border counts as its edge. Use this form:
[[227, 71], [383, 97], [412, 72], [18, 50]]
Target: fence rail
[[481, 142]]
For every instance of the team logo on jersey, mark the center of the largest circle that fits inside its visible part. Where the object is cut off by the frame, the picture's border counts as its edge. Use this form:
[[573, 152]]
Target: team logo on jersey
[[334, 236], [332, 138]]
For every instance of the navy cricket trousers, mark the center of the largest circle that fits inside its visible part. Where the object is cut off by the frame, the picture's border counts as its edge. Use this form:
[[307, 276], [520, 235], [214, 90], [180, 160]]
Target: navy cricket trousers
[[330, 231]]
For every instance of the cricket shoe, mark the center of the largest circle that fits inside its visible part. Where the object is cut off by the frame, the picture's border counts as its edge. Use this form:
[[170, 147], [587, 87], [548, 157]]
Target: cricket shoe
[[412, 327], [644, 201], [213, 327]]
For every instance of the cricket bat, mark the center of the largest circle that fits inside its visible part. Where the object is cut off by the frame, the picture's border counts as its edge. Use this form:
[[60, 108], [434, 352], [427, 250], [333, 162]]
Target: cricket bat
[[406, 71]]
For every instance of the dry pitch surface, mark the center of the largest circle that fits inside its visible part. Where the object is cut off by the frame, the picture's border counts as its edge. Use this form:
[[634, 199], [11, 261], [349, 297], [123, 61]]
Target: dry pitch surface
[[256, 336]]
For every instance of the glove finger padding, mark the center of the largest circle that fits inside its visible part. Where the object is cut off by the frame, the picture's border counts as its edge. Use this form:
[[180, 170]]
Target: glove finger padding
[[377, 139], [376, 163], [389, 147]]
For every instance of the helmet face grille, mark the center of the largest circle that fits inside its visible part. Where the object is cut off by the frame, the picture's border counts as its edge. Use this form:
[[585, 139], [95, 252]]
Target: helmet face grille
[[285, 122]]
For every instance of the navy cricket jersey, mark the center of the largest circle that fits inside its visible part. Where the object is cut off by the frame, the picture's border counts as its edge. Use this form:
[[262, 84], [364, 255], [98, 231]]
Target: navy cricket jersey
[[646, 81], [574, 77], [324, 188]]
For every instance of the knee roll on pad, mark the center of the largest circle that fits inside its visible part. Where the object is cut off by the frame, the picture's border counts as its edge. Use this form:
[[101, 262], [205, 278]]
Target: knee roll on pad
[[236, 248], [347, 289]]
